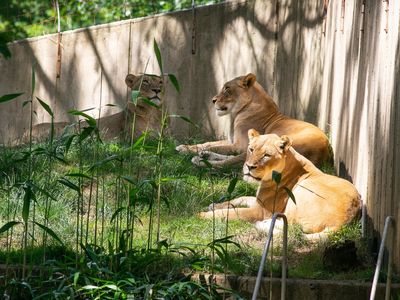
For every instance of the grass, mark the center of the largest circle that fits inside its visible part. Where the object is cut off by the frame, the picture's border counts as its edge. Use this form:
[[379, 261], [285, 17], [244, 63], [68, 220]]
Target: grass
[[105, 242]]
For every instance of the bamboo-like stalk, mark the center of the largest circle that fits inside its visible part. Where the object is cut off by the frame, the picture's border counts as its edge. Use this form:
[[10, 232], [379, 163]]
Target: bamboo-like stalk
[[88, 211], [160, 146], [30, 163], [8, 236], [47, 201], [80, 196], [130, 211], [102, 213], [96, 157]]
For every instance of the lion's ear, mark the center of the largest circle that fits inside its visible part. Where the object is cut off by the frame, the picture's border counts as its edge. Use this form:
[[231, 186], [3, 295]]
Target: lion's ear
[[252, 133], [284, 143], [249, 80], [130, 80]]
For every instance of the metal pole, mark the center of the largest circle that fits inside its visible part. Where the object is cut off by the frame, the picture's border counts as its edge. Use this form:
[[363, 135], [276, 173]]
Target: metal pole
[[388, 220], [265, 253], [284, 257]]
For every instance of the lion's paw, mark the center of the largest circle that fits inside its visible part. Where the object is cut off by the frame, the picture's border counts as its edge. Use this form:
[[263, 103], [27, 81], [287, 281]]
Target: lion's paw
[[198, 161], [205, 154], [182, 148], [203, 214]]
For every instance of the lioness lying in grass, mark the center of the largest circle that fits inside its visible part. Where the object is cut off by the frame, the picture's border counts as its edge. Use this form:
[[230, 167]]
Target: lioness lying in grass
[[323, 202]]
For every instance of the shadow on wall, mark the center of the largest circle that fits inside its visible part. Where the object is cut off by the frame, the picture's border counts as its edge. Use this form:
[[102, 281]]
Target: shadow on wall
[[94, 71], [215, 40], [363, 108]]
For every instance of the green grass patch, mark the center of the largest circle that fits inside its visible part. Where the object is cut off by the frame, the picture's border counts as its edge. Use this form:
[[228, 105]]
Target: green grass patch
[[101, 201]]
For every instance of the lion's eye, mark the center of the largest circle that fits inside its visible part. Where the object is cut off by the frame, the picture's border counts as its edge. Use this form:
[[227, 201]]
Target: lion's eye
[[266, 155], [227, 89], [251, 150]]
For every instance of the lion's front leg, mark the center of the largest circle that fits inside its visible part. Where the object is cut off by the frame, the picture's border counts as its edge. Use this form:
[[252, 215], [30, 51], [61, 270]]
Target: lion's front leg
[[217, 160], [250, 214], [195, 149], [233, 210], [245, 201]]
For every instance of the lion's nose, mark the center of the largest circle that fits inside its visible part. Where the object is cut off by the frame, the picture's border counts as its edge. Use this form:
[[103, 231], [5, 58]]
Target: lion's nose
[[156, 90], [251, 167], [214, 100]]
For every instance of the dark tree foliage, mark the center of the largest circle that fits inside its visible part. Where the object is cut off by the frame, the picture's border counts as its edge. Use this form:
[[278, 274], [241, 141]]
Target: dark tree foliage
[[26, 18]]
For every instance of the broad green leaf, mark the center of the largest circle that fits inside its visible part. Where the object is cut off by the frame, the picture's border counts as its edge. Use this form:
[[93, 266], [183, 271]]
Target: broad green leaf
[[26, 102], [43, 191], [149, 102], [175, 82], [104, 161], [88, 109], [46, 107], [130, 179], [158, 55], [115, 214], [111, 287], [68, 142], [86, 132], [186, 119], [9, 97], [78, 175], [134, 96], [276, 176], [290, 194], [206, 162], [90, 120], [50, 232], [28, 197], [76, 278], [224, 240], [8, 225], [90, 287], [138, 141], [232, 185], [69, 184]]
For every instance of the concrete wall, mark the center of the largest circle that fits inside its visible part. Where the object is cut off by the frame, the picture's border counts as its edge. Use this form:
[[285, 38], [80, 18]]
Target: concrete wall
[[204, 49], [360, 103], [338, 70]]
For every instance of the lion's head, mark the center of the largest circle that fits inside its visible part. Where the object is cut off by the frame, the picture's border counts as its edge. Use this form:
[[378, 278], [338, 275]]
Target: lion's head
[[150, 87], [265, 153], [235, 94]]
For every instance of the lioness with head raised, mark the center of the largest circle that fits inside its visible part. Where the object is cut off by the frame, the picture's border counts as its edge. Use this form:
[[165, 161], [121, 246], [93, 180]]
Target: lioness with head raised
[[249, 106], [146, 114], [323, 202]]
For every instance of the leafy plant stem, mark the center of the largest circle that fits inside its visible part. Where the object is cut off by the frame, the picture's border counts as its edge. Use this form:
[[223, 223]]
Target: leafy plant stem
[[48, 179], [88, 211]]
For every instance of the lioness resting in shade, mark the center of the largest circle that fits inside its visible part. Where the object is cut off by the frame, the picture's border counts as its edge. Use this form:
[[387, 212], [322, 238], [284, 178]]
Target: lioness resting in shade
[[148, 117], [251, 107], [323, 202]]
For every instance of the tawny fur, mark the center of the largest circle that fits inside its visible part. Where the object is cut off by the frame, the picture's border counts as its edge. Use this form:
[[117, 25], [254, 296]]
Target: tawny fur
[[323, 202], [249, 106], [118, 125]]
